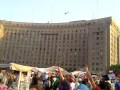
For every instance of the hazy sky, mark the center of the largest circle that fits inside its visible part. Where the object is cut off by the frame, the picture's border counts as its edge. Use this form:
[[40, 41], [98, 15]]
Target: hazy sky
[[53, 10]]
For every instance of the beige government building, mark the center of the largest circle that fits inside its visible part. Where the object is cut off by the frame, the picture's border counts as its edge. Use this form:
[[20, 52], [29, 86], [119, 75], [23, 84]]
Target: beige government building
[[70, 45]]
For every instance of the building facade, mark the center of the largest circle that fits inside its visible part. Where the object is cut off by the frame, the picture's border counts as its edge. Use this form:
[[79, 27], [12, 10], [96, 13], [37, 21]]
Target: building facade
[[118, 48], [69, 45]]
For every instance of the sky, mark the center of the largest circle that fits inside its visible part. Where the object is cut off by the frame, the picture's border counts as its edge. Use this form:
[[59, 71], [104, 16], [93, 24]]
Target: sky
[[53, 11]]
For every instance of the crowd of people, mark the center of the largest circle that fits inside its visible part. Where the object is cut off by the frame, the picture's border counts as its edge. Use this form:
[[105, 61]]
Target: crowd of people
[[57, 80]]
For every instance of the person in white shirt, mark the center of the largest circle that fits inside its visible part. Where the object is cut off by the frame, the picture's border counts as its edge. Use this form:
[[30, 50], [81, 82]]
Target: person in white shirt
[[72, 85]]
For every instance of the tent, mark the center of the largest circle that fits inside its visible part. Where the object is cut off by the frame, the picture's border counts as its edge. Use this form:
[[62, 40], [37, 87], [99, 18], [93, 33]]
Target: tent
[[22, 68]]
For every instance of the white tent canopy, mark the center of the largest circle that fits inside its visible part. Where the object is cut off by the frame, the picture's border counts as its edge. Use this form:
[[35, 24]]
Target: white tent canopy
[[41, 70], [22, 68], [78, 72], [17, 67]]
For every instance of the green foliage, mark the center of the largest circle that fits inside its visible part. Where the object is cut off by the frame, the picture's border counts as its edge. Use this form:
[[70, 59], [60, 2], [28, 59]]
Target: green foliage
[[115, 68]]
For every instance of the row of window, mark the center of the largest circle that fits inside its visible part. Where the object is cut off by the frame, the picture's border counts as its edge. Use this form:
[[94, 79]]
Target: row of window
[[97, 63], [52, 25], [97, 69], [54, 32]]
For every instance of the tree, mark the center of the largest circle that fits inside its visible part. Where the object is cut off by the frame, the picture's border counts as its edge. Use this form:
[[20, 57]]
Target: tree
[[115, 68]]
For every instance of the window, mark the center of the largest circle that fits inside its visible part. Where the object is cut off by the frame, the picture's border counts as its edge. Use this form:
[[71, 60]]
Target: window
[[68, 37], [97, 33], [97, 43], [97, 69], [93, 64], [97, 38], [97, 63], [71, 36]]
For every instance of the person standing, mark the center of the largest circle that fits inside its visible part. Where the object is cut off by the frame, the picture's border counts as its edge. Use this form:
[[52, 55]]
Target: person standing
[[94, 86], [36, 79]]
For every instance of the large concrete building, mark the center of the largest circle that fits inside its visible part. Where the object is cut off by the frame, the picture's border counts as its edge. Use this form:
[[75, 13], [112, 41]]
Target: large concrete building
[[118, 47], [70, 45]]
